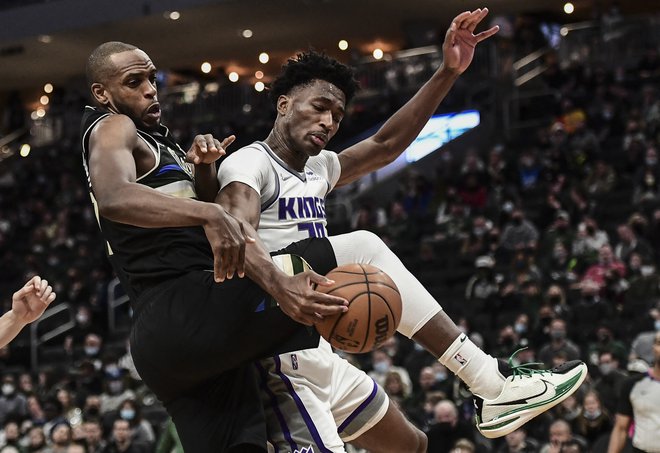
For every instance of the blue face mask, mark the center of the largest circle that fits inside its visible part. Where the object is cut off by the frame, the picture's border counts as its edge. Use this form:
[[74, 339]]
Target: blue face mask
[[381, 367], [127, 414]]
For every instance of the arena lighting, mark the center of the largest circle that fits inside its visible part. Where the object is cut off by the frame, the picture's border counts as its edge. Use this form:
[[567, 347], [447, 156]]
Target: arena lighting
[[206, 67], [263, 57], [259, 75], [233, 76], [34, 116], [25, 150], [174, 15], [342, 44], [563, 31], [45, 39], [259, 86], [439, 130], [378, 53], [44, 100], [41, 112], [48, 88], [247, 33], [569, 8]]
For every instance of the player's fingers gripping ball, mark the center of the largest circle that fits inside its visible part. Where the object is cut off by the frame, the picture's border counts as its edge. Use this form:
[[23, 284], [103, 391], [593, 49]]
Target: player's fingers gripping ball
[[374, 309]]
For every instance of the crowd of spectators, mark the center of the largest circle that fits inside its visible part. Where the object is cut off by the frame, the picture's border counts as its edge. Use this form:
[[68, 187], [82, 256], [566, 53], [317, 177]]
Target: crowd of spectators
[[549, 243]]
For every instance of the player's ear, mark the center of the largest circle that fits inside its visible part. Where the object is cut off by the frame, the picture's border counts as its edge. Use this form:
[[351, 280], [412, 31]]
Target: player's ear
[[99, 93], [283, 104]]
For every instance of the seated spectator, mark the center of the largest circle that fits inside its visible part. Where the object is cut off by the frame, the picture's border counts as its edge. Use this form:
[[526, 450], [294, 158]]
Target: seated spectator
[[395, 388], [381, 363], [93, 435], [519, 233], [605, 269], [447, 429], [608, 380], [121, 441], [12, 403], [606, 342], [12, 436], [60, 438], [36, 440], [518, 442], [560, 433], [558, 343], [529, 170], [591, 305], [629, 243], [594, 421], [590, 239], [476, 243], [600, 179], [647, 180], [115, 390], [559, 231], [141, 429], [558, 266]]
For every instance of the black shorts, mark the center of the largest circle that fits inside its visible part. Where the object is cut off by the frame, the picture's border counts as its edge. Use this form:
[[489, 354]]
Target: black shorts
[[193, 341]]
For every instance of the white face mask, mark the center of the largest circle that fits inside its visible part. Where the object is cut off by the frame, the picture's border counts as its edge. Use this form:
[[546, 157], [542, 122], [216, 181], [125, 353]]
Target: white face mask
[[8, 389], [381, 367]]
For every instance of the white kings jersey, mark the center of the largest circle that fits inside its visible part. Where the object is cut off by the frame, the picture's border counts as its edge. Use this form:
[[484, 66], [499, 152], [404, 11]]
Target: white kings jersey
[[292, 203]]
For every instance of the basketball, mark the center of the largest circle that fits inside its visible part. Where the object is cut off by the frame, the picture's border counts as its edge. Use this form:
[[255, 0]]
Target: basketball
[[374, 308]]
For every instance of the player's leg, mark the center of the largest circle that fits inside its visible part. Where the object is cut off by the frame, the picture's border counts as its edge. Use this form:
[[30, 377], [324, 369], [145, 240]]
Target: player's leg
[[424, 321], [298, 413], [393, 433], [222, 414]]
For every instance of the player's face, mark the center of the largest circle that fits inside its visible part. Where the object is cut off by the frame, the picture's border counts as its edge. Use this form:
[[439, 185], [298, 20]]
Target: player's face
[[312, 114], [131, 90]]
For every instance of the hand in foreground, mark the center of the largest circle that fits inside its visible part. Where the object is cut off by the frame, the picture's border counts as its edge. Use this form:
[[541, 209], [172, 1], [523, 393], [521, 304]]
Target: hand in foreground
[[30, 302], [460, 40], [206, 149], [299, 300], [228, 238]]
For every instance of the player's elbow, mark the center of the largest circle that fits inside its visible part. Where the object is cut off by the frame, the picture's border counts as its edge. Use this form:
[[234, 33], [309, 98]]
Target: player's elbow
[[110, 205]]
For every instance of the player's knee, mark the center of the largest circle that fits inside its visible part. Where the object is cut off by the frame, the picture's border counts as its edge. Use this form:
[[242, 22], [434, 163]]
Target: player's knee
[[369, 242]]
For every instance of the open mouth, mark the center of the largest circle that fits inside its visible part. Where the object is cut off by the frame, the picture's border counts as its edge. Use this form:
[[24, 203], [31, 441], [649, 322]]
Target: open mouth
[[319, 139], [154, 110]]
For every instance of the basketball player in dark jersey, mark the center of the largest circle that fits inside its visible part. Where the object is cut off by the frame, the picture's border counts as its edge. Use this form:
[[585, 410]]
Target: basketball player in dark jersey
[[195, 328]]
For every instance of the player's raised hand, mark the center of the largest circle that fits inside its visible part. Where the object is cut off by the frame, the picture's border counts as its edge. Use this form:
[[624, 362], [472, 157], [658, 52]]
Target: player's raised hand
[[206, 149], [460, 40], [228, 237], [299, 300], [30, 302]]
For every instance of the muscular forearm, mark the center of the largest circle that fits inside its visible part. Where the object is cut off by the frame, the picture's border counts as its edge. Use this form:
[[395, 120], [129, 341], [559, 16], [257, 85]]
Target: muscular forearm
[[259, 266], [10, 326], [617, 441], [206, 182], [402, 128], [138, 205]]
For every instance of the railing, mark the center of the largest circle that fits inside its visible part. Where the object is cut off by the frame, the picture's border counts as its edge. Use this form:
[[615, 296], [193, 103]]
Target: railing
[[116, 298], [6, 150], [37, 340]]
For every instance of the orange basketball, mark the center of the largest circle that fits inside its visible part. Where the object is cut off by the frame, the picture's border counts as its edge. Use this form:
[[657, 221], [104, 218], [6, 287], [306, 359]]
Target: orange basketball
[[374, 309]]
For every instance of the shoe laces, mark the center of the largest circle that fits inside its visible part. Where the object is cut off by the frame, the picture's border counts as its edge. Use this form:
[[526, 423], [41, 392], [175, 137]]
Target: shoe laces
[[524, 370]]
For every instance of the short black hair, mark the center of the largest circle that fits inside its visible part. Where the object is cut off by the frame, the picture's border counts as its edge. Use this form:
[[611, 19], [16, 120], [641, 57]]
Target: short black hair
[[97, 68], [309, 66]]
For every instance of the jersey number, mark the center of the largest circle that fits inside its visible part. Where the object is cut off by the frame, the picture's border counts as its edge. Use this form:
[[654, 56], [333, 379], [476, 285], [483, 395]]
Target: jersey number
[[315, 229]]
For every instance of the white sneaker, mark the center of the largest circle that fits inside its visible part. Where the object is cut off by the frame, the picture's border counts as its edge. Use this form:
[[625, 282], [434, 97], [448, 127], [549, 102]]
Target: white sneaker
[[527, 393]]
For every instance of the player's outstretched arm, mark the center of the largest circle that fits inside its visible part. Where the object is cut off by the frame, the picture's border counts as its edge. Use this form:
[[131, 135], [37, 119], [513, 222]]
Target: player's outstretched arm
[[27, 305], [402, 128], [619, 433]]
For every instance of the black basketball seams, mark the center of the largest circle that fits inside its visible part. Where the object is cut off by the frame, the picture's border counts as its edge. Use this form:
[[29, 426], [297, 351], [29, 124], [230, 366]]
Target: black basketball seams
[[334, 288]]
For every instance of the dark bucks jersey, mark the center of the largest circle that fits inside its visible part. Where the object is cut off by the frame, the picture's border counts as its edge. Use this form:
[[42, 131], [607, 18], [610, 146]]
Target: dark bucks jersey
[[143, 257]]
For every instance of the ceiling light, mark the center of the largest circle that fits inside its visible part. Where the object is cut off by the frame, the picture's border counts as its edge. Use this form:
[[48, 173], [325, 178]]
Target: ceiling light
[[259, 86], [378, 54], [44, 100], [233, 76], [259, 75], [174, 15], [25, 150], [48, 88], [568, 8], [206, 67], [263, 57], [41, 112], [563, 31], [247, 33], [45, 39], [343, 44]]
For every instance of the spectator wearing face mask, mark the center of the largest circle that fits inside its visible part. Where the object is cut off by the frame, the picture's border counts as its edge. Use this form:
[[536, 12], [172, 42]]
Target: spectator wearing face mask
[[115, 389], [142, 431], [381, 363], [558, 343], [606, 342], [594, 421], [519, 233], [11, 401], [447, 429], [518, 442], [588, 242]]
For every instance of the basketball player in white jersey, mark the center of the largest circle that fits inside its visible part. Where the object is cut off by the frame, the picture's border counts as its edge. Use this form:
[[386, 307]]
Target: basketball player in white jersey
[[279, 186]]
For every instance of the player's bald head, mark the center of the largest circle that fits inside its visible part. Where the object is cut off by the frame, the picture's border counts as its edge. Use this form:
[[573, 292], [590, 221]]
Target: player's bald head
[[99, 66]]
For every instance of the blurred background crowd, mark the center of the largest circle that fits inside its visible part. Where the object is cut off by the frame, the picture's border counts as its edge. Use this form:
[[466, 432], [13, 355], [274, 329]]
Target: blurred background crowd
[[539, 234]]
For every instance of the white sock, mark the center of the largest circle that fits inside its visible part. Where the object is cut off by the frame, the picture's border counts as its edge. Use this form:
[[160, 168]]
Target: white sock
[[474, 367]]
